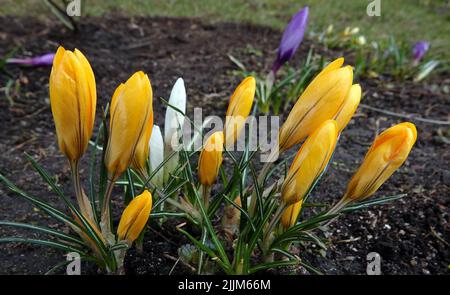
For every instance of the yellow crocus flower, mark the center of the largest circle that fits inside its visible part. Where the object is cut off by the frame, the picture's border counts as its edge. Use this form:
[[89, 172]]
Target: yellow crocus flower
[[290, 214], [130, 115], [310, 161], [320, 101], [73, 99], [238, 110], [387, 153], [211, 159], [134, 217], [349, 107]]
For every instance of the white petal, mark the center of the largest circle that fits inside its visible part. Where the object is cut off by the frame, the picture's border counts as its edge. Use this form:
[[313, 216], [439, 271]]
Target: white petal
[[156, 146], [174, 120]]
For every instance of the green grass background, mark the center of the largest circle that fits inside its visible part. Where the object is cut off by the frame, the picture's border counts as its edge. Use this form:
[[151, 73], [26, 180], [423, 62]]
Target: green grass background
[[407, 20]]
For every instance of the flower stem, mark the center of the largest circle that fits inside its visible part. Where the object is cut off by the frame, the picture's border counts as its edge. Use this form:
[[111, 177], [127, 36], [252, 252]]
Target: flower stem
[[267, 238], [206, 192], [105, 223], [82, 200]]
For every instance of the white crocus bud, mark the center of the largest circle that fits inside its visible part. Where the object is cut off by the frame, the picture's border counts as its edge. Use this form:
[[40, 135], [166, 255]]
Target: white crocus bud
[[156, 147], [173, 125]]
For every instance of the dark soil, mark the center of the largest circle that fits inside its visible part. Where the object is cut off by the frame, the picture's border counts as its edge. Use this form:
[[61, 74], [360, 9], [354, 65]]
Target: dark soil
[[411, 234]]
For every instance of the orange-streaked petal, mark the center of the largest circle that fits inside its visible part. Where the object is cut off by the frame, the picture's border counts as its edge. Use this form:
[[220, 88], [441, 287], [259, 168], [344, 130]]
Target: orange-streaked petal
[[239, 108], [134, 217], [289, 217], [131, 113], [310, 161], [388, 152], [210, 159], [320, 101], [349, 107]]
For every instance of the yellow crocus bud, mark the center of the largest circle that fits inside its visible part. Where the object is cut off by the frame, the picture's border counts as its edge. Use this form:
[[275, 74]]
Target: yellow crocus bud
[[387, 153], [349, 107], [73, 99], [130, 113], [310, 161], [320, 101], [210, 159], [289, 217], [238, 110], [134, 217]]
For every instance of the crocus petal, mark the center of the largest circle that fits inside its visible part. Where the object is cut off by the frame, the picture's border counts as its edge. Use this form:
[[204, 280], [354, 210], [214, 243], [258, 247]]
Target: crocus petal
[[309, 163], [73, 101], [238, 110], [42, 60], [130, 113], [140, 158], [134, 217], [292, 37], [174, 120], [320, 101], [289, 217], [387, 153], [419, 50], [173, 123], [349, 107], [156, 147], [210, 159]]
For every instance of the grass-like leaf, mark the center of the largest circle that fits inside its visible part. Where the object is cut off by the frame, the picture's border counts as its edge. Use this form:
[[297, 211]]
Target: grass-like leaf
[[45, 230], [87, 228], [51, 244], [272, 265]]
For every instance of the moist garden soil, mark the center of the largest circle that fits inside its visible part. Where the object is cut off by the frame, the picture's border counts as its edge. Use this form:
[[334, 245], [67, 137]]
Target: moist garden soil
[[411, 235]]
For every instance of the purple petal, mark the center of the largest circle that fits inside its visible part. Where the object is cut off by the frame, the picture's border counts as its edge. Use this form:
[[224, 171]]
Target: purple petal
[[419, 50], [42, 60], [292, 37]]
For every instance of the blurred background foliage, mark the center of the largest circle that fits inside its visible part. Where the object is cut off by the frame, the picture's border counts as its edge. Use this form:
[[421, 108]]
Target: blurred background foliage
[[408, 21]]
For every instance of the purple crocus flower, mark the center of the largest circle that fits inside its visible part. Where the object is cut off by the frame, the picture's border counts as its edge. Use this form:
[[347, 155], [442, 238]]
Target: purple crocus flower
[[419, 50], [292, 37], [42, 60]]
